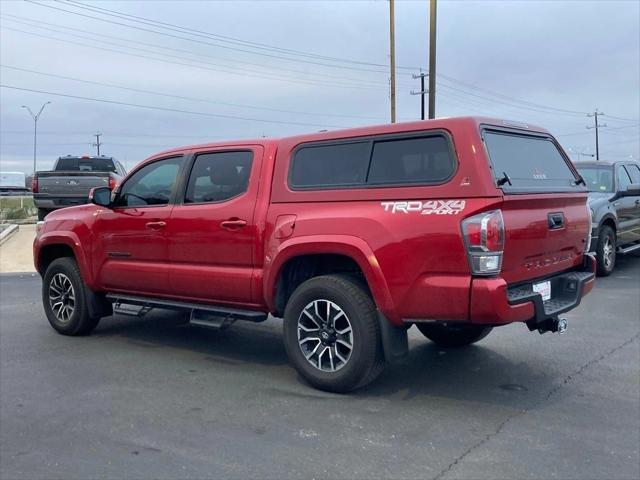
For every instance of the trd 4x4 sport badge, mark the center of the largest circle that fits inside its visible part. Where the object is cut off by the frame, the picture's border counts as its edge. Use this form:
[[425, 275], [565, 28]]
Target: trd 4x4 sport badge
[[426, 207]]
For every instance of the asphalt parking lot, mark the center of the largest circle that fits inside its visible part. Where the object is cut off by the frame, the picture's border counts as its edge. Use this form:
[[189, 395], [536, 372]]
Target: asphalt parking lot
[[155, 398]]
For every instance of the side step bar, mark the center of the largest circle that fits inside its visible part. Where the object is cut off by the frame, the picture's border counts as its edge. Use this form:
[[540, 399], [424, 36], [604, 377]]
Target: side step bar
[[201, 314], [629, 249]]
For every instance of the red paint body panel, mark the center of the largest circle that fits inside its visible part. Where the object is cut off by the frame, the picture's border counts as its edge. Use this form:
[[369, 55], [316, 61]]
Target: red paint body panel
[[415, 265]]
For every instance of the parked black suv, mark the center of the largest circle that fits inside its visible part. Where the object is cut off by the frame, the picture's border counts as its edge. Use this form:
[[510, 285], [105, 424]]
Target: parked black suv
[[614, 201]]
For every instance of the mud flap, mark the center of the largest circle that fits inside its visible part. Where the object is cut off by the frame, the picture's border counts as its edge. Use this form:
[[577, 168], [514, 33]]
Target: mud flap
[[97, 304], [395, 343]]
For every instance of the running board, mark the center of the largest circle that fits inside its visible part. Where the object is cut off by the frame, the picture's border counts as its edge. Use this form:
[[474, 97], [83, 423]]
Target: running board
[[201, 314], [631, 248]]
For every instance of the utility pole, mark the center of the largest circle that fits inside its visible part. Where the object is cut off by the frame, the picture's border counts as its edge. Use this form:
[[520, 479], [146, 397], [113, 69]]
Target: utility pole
[[35, 130], [422, 91], [432, 58], [97, 144], [596, 126], [392, 54]]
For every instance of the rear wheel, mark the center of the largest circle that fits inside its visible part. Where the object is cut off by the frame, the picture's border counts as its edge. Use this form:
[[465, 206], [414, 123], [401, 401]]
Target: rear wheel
[[452, 336], [42, 212], [606, 251], [64, 298], [331, 333]]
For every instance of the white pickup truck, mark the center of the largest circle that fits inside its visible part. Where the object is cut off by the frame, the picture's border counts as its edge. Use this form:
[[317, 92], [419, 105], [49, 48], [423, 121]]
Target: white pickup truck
[[71, 180]]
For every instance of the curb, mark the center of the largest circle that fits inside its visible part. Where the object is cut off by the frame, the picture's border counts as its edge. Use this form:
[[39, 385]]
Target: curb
[[9, 232]]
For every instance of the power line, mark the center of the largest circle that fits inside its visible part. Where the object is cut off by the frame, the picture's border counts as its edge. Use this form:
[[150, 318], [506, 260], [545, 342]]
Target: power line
[[119, 134], [223, 38], [587, 133], [73, 32], [191, 39], [262, 46], [166, 109], [182, 97], [253, 73], [512, 99]]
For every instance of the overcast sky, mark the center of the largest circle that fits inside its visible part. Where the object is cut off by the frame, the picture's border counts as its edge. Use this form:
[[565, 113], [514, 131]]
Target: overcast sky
[[247, 69]]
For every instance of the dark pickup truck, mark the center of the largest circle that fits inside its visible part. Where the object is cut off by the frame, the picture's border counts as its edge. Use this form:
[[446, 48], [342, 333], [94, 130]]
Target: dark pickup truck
[[71, 180], [614, 203]]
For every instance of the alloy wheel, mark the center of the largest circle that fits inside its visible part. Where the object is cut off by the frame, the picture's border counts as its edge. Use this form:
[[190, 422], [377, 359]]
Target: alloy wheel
[[325, 335], [62, 297]]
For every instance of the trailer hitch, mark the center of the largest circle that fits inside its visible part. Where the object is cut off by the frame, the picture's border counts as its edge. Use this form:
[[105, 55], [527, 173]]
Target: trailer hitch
[[558, 325]]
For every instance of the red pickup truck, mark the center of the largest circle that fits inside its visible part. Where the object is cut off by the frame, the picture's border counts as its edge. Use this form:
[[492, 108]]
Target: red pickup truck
[[454, 225]]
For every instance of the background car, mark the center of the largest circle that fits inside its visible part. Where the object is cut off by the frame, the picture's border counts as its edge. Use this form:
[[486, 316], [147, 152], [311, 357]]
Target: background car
[[614, 201]]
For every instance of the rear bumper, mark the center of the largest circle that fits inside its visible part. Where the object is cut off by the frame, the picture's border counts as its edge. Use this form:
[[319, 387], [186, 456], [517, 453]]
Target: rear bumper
[[494, 302], [58, 201]]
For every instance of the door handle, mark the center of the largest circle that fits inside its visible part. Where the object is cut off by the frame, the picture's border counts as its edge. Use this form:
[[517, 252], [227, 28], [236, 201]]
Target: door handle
[[156, 225], [637, 202], [233, 224]]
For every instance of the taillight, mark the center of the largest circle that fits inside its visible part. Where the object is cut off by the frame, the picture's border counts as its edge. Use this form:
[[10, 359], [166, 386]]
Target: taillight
[[484, 238], [34, 184], [113, 183]]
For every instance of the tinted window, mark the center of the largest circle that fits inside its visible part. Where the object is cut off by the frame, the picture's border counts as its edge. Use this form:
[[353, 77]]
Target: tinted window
[[598, 179], [75, 164], [634, 171], [411, 160], [623, 179], [216, 177], [530, 163], [394, 162], [151, 185], [330, 165]]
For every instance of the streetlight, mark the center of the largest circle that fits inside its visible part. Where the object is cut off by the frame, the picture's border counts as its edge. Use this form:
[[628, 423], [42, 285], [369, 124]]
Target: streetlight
[[35, 130]]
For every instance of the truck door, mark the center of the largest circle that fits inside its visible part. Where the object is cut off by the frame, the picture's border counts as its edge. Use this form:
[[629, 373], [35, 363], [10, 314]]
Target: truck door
[[212, 231], [633, 204], [130, 247], [626, 208]]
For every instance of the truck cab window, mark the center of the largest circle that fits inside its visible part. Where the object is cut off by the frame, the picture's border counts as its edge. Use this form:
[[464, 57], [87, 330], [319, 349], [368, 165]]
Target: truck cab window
[[151, 185], [216, 177]]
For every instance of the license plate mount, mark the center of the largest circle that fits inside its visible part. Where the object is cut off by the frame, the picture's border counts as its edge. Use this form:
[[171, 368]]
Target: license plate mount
[[544, 289]]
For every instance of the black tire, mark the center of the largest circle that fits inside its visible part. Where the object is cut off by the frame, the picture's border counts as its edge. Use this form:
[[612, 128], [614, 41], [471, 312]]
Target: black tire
[[365, 361], [453, 336], [606, 251], [79, 322], [42, 212]]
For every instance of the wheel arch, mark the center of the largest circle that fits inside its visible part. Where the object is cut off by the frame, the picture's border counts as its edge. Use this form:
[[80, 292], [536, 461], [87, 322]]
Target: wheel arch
[[609, 220], [51, 246], [332, 254]]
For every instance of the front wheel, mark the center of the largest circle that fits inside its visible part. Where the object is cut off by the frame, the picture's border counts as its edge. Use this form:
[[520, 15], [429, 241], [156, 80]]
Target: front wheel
[[331, 333], [452, 336], [64, 298], [606, 251]]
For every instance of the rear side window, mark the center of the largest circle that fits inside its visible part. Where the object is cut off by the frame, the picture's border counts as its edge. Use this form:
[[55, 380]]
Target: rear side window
[[634, 172], [71, 164], [396, 161], [337, 165], [412, 160], [525, 163], [624, 180], [216, 177]]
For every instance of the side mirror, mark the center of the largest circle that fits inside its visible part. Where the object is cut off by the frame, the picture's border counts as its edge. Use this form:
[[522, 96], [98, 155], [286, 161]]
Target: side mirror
[[100, 196], [632, 190]]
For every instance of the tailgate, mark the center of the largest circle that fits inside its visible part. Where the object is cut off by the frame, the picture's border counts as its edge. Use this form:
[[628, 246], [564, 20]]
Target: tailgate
[[545, 234], [71, 183], [546, 220]]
